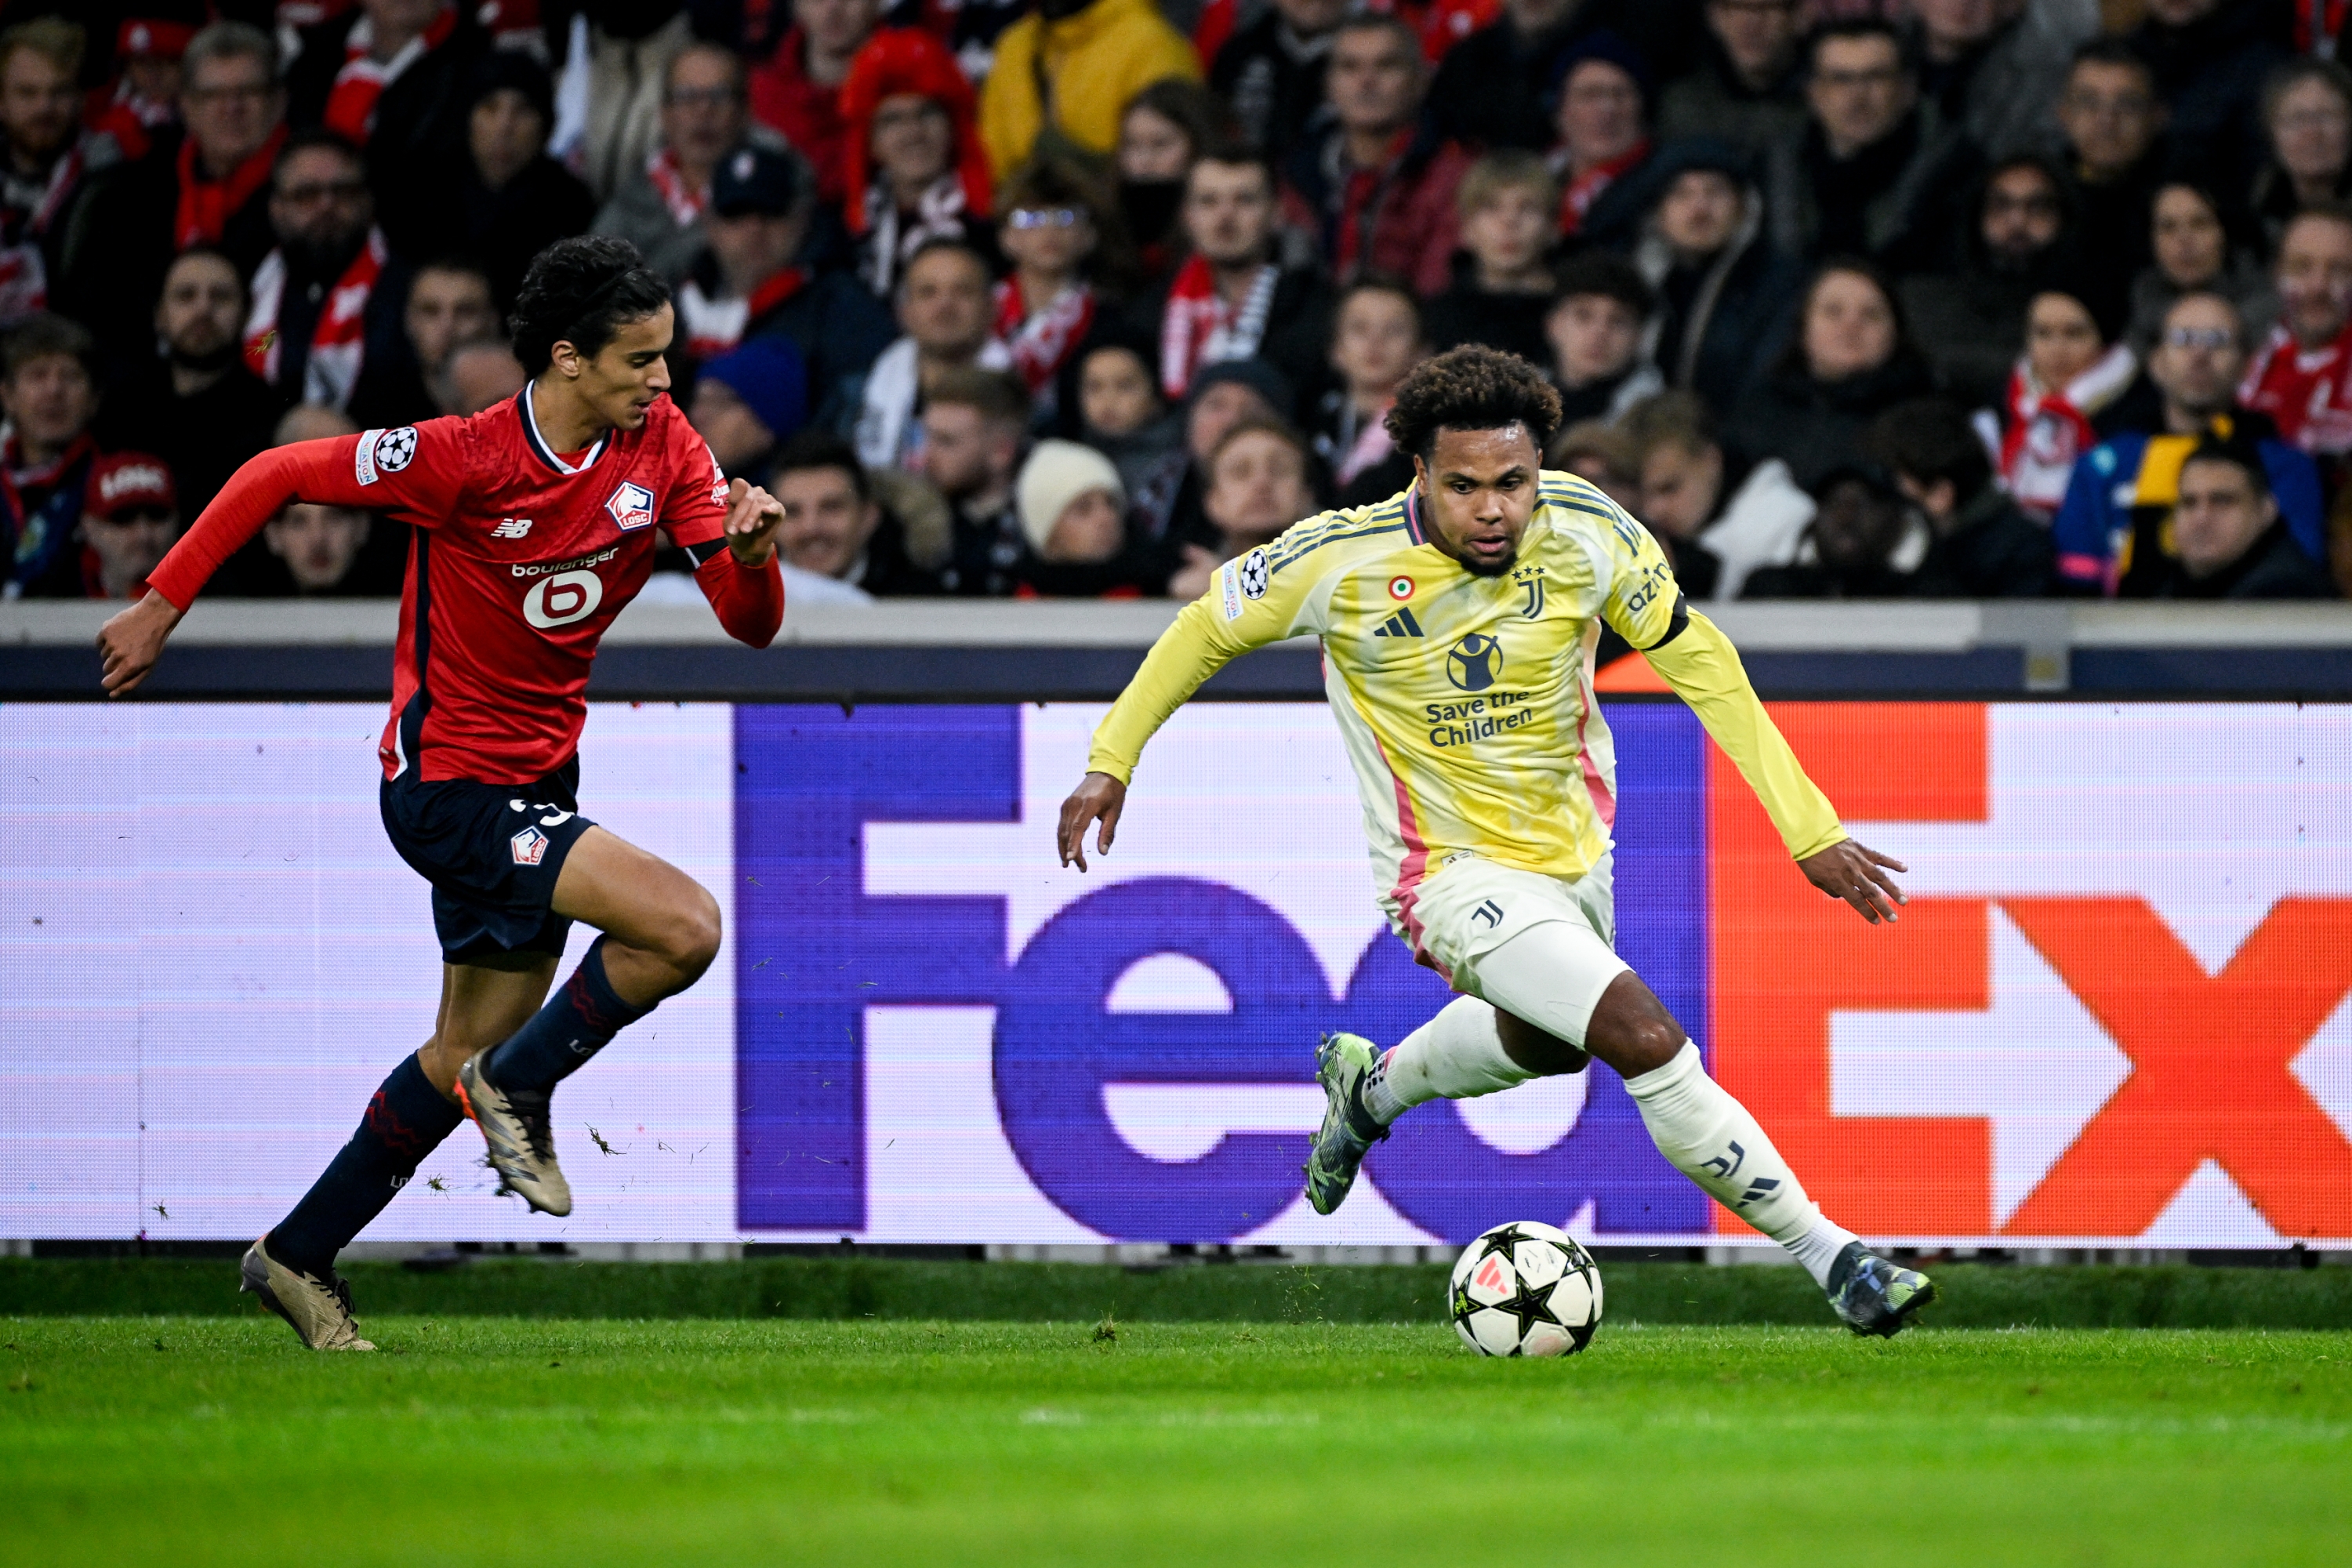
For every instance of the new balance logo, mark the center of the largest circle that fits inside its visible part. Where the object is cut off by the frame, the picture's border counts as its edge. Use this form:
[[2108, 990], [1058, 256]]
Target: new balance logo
[[1401, 625], [511, 527]]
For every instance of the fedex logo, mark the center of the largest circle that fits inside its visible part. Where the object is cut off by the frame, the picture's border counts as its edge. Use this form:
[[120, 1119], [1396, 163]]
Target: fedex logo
[[2116, 1008]]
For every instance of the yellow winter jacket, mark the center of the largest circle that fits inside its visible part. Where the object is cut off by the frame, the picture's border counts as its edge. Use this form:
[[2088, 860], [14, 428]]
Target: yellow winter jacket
[[1096, 61]]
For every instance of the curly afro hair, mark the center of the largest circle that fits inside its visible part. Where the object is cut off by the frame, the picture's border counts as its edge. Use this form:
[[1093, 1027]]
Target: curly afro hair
[[582, 290], [1471, 388]]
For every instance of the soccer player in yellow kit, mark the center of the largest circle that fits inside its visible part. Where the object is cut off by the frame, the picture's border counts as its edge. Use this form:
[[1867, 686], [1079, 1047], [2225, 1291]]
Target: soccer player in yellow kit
[[1458, 622]]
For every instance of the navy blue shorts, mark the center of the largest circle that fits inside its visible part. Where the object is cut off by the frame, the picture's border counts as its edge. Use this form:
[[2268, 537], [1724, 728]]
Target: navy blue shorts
[[492, 853]]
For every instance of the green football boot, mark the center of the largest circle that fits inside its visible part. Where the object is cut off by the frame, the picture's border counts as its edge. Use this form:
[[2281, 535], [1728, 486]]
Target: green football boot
[[1343, 1063], [1873, 1296]]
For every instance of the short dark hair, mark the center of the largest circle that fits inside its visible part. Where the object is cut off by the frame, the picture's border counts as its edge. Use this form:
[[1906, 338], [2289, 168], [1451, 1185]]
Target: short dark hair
[[1381, 283], [939, 242], [823, 449], [1930, 439], [318, 139], [999, 395], [2237, 452], [47, 336], [1906, 56], [2115, 52], [1608, 275], [1237, 153], [1473, 387], [582, 290], [1386, 22]]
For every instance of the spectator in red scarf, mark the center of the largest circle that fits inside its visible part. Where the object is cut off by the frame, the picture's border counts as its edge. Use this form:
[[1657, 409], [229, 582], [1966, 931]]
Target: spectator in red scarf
[[143, 101], [660, 209], [328, 298], [2302, 376], [1271, 71], [210, 187], [797, 90], [2063, 397], [46, 159], [912, 165], [130, 516], [1051, 233], [1232, 299], [1378, 187], [390, 79], [1603, 120], [50, 393]]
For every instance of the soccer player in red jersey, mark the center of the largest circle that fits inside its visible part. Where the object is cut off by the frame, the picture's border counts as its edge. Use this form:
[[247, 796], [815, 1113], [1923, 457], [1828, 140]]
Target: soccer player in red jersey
[[535, 524]]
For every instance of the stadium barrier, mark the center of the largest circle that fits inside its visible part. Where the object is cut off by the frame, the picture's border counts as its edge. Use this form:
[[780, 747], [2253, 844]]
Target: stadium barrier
[[2113, 1016]]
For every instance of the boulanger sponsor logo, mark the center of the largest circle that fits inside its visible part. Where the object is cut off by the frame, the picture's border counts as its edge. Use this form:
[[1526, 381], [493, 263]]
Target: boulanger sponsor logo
[[562, 599], [632, 505], [542, 568]]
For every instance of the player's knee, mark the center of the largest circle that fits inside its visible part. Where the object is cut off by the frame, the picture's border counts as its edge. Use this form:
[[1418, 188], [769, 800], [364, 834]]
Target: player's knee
[[694, 935]]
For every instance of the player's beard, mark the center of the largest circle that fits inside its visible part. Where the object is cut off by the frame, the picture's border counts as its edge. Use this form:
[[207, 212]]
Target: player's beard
[[1494, 568]]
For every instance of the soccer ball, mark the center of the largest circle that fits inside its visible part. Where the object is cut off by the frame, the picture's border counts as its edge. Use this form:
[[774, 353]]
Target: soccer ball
[[1525, 1289]]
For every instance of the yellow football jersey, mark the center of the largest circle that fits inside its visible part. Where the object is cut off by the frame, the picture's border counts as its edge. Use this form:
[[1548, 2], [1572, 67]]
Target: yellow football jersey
[[1466, 701]]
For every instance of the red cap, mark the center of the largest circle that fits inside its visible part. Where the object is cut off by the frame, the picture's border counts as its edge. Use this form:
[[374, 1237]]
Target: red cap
[[126, 482], [153, 36]]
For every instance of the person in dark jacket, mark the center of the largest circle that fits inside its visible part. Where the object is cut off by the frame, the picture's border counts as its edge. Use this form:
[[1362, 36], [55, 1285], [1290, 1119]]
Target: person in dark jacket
[[1850, 358], [835, 525], [1969, 321], [2113, 118], [1723, 293], [513, 200], [1271, 71], [1749, 85], [1982, 545], [2209, 60], [362, 75], [1496, 87], [1864, 543], [2229, 542]]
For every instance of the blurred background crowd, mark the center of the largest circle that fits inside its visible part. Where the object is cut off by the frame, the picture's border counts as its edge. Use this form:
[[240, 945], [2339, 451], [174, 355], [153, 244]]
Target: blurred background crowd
[[1079, 297]]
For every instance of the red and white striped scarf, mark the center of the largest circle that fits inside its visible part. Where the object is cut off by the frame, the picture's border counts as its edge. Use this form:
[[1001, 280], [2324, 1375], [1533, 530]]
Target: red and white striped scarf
[[351, 102], [714, 325], [1201, 329], [338, 342], [1041, 340], [685, 200], [2044, 432]]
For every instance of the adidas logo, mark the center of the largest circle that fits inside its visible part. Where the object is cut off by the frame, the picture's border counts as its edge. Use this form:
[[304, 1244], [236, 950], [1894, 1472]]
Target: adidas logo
[[1401, 625]]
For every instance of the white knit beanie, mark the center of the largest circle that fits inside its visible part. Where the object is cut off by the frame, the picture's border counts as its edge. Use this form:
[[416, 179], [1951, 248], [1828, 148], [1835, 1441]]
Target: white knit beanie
[[1057, 473]]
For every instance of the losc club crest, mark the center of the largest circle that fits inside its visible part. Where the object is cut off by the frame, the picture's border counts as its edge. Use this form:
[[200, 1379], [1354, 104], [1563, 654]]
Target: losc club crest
[[530, 846], [631, 506], [1473, 663]]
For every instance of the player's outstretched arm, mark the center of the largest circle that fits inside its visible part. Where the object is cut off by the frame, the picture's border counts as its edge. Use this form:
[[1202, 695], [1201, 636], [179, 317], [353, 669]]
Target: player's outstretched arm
[[1099, 798]]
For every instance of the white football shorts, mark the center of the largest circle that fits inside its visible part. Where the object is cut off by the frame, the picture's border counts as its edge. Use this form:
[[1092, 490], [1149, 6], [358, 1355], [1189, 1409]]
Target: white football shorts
[[1472, 908]]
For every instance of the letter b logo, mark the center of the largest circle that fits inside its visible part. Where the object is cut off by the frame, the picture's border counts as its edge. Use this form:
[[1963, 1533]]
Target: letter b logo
[[559, 600]]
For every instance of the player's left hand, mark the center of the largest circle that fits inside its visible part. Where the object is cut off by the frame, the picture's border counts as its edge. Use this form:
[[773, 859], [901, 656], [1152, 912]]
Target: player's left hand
[[1858, 875], [753, 518]]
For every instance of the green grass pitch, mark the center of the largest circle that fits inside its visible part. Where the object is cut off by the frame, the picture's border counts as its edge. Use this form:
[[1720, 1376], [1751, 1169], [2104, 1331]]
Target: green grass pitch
[[470, 1440]]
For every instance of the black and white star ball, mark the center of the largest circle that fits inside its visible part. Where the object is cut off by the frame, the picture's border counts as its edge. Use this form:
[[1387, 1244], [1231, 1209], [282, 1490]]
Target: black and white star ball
[[1525, 1290], [395, 448]]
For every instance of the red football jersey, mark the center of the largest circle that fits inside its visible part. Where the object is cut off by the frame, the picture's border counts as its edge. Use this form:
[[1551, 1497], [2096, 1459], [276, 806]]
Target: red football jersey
[[2308, 396], [521, 559]]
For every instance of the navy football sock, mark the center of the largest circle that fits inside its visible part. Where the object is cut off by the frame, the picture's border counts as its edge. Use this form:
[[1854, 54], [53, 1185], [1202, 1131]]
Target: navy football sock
[[577, 1022], [406, 1122]]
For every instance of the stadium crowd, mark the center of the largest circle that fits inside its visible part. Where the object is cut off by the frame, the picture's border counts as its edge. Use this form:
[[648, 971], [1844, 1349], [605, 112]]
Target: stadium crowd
[[1080, 297]]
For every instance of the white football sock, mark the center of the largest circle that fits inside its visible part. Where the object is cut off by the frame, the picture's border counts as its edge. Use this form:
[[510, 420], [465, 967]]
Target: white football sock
[[1457, 1055], [1712, 1139]]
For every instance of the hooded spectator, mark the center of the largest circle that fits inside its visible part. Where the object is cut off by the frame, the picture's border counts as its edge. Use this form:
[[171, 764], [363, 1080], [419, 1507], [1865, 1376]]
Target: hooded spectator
[[1162, 135], [46, 159], [2113, 117], [1723, 294], [748, 401], [2112, 529], [797, 91], [1994, 67], [2066, 395], [973, 422], [1864, 542], [1271, 71], [130, 517], [1377, 187], [660, 207], [513, 200], [1850, 358], [1232, 299], [1063, 75], [391, 78], [141, 104], [1718, 520], [195, 404], [1968, 320], [212, 189], [1258, 485], [448, 303], [947, 311], [1597, 326], [2306, 113], [1051, 228], [1603, 120], [1983, 546], [1508, 208], [2208, 60], [1497, 88], [1748, 85], [1376, 341], [835, 526], [329, 298], [1073, 508], [2299, 377], [2197, 251], [2229, 541], [913, 169], [1110, 398], [1878, 171], [49, 392], [748, 282]]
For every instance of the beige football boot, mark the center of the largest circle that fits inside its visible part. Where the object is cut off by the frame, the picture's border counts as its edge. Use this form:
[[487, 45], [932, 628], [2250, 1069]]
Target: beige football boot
[[320, 1312], [521, 1141]]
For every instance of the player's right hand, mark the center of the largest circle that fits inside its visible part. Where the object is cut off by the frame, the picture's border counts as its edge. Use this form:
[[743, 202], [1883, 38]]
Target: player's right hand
[[1098, 796], [132, 641]]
